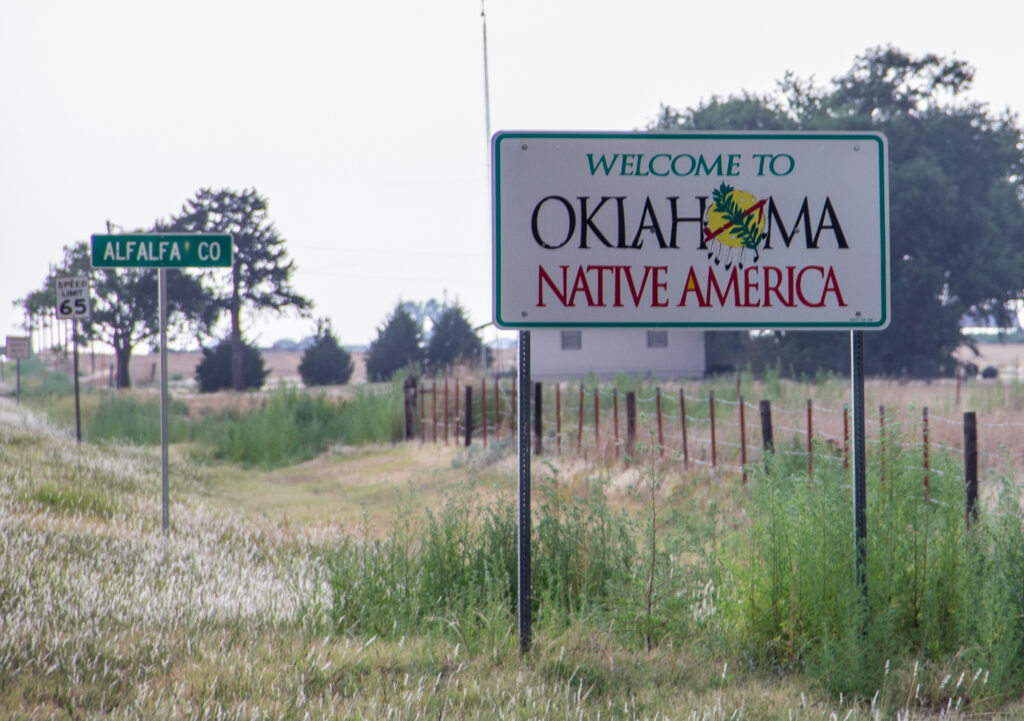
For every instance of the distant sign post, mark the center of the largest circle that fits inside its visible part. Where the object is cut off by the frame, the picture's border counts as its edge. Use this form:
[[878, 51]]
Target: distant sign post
[[19, 348], [701, 230], [162, 251], [74, 303]]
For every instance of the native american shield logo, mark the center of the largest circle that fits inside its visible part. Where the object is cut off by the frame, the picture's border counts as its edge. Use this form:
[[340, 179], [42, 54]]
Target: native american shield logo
[[733, 224]]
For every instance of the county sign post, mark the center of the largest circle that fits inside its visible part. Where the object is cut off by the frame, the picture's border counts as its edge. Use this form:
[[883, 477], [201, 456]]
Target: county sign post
[[704, 230], [162, 251], [145, 250], [700, 230]]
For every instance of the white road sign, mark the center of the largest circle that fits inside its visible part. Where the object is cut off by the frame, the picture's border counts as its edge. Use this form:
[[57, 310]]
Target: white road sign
[[73, 297], [716, 230], [18, 347]]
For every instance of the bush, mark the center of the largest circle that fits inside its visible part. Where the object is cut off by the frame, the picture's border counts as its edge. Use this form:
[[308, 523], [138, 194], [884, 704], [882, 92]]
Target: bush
[[937, 593], [396, 346], [214, 371], [452, 339], [325, 362]]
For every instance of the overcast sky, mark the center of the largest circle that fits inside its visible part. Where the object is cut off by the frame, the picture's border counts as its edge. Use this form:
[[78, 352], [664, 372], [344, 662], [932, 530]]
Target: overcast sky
[[363, 123]]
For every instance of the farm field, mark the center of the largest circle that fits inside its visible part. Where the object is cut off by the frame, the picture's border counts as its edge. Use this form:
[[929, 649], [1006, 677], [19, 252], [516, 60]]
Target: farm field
[[244, 609]]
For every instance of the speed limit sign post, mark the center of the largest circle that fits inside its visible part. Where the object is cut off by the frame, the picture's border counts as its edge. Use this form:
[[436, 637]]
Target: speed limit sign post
[[74, 302], [73, 297]]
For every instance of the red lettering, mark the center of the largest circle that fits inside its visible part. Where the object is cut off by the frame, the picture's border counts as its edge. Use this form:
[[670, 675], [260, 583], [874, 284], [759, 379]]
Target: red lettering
[[543, 276], [692, 286], [732, 283], [580, 284], [800, 286], [832, 286]]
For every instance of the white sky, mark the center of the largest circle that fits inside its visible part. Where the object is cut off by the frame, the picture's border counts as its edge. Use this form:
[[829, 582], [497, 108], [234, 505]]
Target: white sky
[[363, 122]]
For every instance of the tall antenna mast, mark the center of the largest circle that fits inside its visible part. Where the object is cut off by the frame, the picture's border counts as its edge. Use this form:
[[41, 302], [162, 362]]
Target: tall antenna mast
[[487, 92]]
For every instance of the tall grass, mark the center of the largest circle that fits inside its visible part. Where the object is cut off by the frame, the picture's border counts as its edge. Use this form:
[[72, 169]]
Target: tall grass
[[454, 573], [292, 426], [938, 592], [104, 616]]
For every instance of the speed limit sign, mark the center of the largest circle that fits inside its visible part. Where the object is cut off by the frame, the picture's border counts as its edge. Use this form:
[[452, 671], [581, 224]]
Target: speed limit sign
[[73, 297]]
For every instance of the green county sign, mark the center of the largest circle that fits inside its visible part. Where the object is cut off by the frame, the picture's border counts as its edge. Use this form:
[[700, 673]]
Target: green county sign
[[152, 250], [713, 230]]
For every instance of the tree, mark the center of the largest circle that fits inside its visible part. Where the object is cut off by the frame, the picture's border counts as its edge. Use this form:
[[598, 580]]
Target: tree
[[956, 183], [261, 271], [398, 345], [452, 339], [214, 371], [125, 305], [325, 362]]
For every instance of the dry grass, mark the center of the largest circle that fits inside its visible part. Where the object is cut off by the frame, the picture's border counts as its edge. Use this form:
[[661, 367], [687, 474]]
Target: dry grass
[[102, 616]]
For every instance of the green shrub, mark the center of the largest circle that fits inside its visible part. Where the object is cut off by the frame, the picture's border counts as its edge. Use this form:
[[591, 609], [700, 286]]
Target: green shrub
[[325, 362], [214, 371], [937, 591]]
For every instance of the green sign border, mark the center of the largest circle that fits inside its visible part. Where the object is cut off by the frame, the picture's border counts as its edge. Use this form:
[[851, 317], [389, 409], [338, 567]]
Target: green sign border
[[883, 195], [189, 260]]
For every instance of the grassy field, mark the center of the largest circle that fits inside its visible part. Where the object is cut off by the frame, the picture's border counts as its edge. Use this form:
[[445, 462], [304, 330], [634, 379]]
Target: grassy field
[[371, 581]]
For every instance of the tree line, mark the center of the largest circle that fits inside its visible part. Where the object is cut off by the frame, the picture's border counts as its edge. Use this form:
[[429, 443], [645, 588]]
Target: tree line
[[125, 312], [956, 173], [956, 181]]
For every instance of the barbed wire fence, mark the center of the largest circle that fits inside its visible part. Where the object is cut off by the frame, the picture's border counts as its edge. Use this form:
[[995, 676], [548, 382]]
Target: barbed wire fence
[[708, 432]]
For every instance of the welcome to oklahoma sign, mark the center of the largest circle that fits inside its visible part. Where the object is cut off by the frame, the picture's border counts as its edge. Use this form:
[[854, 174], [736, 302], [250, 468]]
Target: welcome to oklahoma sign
[[725, 230]]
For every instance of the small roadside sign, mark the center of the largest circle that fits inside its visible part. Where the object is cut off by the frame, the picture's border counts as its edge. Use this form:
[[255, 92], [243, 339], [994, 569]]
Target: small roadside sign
[[167, 250], [73, 297], [18, 347]]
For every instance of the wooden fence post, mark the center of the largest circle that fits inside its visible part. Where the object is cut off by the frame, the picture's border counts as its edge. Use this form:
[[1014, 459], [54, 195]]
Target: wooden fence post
[[971, 466], [538, 417], [483, 409], [743, 438], [409, 406], [558, 418], [682, 423], [579, 434], [615, 420], [711, 413], [469, 414], [767, 439], [446, 411], [630, 423], [433, 410], [423, 416], [810, 443], [924, 449], [661, 435]]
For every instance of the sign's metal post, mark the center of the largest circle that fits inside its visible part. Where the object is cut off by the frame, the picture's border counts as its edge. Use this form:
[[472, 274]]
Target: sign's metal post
[[78, 404], [859, 469], [74, 303], [165, 491], [718, 216], [162, 251], [523, 409]]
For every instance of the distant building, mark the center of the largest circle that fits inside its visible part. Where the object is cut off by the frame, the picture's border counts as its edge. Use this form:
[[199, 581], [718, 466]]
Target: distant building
[[606, 352]]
